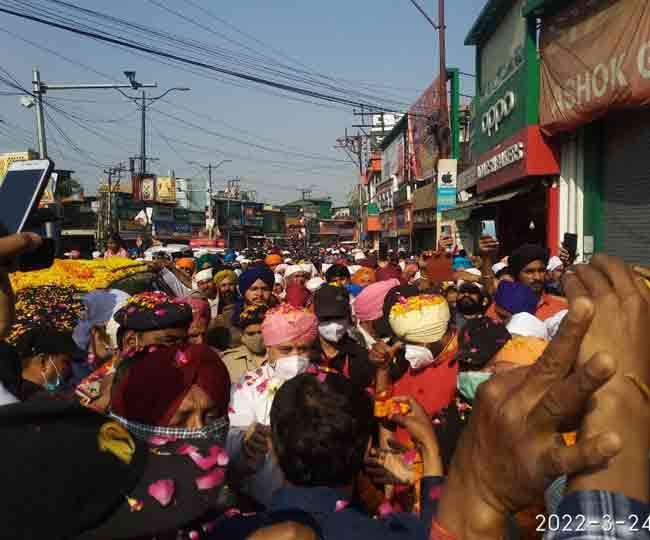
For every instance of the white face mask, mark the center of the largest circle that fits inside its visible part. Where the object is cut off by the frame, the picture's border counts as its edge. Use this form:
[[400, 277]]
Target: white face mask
[[333, 331], [418, 357], [289, 367]]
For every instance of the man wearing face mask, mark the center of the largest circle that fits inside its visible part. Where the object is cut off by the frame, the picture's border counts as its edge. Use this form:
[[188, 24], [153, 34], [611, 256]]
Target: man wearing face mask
[[337, 350], [251, 354], [289, 334], [422, 324], [46, 357]]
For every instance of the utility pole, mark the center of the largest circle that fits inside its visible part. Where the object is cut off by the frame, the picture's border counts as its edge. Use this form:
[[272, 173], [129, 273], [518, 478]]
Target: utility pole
[[443, 100], [209, 167], [354, 148], [40, 120]]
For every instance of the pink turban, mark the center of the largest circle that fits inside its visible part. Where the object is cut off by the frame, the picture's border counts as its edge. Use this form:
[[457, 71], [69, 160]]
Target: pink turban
[[200, 310], [286, 324], [369, 305]]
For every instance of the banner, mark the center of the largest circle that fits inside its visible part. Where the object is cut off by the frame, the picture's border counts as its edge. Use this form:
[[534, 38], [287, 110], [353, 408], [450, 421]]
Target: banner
[[392, 163], [166, 189], [424, 146], [148, 189], [595, 57]]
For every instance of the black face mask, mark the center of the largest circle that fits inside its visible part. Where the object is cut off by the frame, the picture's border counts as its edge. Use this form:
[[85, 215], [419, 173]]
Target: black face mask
[[467, 306]]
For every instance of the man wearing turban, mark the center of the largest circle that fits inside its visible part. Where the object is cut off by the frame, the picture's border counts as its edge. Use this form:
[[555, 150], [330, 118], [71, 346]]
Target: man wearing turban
[[364, 277], [289, 334], [528, 266], [422, 324]]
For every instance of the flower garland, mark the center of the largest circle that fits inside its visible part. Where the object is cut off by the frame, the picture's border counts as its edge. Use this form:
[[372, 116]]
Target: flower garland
[[81, 275]]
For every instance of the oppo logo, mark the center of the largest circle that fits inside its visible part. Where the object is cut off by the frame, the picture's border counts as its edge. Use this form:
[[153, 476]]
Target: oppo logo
[[497, 113]]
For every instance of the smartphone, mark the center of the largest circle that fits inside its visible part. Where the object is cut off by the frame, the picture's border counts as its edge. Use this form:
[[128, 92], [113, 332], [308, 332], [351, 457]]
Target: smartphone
[[570, 243], [21, 191]]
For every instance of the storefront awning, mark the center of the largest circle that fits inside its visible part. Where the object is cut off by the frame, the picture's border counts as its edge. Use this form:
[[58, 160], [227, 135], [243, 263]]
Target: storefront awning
[[463, 211]]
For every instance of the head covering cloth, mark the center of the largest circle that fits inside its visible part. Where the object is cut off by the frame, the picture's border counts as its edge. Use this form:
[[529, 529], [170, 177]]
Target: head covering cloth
[[287, 324], [225, 274], [186, 263], [420, 319], [153, 311], [252, 274], [525, 324], [389, 272], [525, 255], [273, 259], [515, 297], [368, 306], [364, 275], [99, 306], [153, 385], [200, 310]]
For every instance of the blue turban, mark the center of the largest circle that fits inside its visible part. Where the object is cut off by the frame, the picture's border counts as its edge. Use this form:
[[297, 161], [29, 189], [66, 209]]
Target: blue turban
[[516, 297], [254, 273], [229, 257]]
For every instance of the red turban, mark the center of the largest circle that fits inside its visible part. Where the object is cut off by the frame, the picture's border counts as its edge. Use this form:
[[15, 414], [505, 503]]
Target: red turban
[[158, 379]]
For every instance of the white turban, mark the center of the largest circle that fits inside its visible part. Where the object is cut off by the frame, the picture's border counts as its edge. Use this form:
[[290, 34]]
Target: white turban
[[554, 263], [203, 275], [293, 269], [496, 268], [527, 325], [314, 284]]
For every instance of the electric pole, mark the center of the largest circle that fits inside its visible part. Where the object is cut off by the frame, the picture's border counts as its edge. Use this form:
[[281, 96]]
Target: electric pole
[[209, 168]]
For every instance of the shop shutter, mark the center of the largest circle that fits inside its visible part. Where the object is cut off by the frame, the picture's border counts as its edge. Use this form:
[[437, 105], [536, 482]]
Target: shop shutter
[[626, 185]]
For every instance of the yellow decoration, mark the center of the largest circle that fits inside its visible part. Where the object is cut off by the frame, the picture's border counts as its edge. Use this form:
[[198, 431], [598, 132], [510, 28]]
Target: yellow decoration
[[416, 303], [114, 438], [80, 274]]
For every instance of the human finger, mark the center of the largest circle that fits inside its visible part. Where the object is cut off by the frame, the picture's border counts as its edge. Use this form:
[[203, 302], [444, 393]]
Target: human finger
[[573, 287], [591, 453], [619, 274], [597, 283], [13, 245], [561, 354], [642, 279], [567, 399]]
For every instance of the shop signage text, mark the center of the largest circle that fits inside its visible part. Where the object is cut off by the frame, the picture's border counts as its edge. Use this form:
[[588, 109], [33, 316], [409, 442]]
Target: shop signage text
[[592, 62], [510, 155], [491, 120]]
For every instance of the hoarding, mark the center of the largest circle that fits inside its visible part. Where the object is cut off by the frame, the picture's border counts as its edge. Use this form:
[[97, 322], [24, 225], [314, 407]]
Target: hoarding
[[166, 189]]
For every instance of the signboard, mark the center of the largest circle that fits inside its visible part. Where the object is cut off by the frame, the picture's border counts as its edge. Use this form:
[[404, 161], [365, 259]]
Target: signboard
[[467, 179], [127, 225], [595, 58], [166, 189], [148, 189], [392, 160], [421, 139], [526, 153], [183, 228], [446, 192]]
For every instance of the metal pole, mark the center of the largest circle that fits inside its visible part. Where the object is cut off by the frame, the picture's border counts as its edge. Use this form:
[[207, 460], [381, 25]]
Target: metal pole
[[210, 207], [442, 97], [40, 121], [143, 135], [110, 201]]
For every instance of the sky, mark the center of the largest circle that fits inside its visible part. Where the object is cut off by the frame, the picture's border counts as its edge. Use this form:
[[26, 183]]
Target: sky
[[384, 47]]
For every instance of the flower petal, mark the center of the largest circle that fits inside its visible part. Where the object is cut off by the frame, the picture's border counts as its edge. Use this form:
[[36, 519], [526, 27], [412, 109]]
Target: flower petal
[[160, 441], [162, 491], [232, 512], [210, 480], [222, 458], [341, 505], [410, 456], [385, 509], [186, 449], [207, 462]]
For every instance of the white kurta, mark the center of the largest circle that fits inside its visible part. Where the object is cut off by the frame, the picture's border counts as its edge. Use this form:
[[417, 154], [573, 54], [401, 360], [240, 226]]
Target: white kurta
[[250, 402]]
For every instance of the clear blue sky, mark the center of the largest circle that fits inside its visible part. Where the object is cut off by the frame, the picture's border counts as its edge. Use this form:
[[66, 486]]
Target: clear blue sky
[[383, 42]]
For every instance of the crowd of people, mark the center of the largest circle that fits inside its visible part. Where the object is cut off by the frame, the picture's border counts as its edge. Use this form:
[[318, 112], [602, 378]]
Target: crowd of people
[[331, 394]]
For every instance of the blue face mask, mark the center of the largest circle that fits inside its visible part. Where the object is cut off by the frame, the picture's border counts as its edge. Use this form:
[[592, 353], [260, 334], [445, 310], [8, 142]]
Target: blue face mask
[[49, 386]]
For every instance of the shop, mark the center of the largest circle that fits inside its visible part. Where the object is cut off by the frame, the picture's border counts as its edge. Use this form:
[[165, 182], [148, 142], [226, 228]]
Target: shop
[[512, 190], [424, 218], [595, 93]]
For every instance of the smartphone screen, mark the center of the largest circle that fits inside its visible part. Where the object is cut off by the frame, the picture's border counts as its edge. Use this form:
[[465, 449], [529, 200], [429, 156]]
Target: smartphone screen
[[21, 190]]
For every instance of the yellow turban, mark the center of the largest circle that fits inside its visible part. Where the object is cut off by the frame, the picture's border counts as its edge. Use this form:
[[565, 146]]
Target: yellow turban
[[420, 319], [225, 274]]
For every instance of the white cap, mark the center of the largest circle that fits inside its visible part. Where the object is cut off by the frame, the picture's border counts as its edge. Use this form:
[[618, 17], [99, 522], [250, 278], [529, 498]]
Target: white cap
[[473, 271], [525, 324], [293, 269], [554, 263], [496, 268], [359, 256]]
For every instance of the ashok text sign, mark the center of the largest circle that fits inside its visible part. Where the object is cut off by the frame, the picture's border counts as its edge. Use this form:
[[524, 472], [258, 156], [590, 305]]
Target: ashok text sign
[[595, 58]]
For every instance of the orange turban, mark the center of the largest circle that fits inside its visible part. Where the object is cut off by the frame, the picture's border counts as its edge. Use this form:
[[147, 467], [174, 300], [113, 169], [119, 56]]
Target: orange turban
[[519, 351], [273, 259], [365, 276], [187, 263]]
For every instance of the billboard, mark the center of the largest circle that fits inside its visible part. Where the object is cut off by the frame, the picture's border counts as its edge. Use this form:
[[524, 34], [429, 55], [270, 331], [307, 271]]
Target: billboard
[[148, 189], [425, 147], [166, 189], [447, 177]]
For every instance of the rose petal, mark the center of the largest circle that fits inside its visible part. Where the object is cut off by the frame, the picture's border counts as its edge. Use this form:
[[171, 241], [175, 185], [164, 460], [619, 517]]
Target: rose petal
[[162, 491], [160, 441], [181, 359], [208, 527], [204, 463], [210, 480], [385, 509], [410, 456], [435, 492], [186, 449], [160, 312], [232, 512], [341, 505], [321, 376], [194, 535], [222, 458]]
